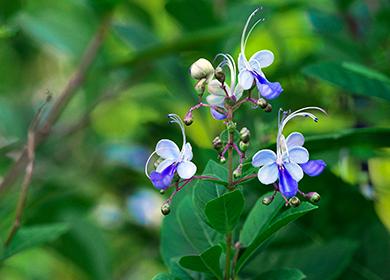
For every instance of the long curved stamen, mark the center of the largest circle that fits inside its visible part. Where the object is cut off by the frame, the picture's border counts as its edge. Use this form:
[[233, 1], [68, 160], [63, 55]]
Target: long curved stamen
[[229, 61], [176, 119], [147, 164], [250, 30], [300, 113], [243, 36]]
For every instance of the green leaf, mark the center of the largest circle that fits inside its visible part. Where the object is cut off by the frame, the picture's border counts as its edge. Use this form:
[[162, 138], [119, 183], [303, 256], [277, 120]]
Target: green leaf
[[28, 237], [281, 216], [352, 77], [282, 274], [223, 213], [163, 276], [208, 261], [184, 233], [205, 191]]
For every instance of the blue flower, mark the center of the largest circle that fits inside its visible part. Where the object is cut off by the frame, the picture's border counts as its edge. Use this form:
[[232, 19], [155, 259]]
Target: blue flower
[[174, 160], [219, 92], [250, 71], [291, 160]]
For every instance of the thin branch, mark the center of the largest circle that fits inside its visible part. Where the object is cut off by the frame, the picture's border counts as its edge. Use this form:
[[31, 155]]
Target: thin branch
[[62, 101]]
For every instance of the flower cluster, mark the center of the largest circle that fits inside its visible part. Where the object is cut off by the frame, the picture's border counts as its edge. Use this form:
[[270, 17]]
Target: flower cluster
[[224, 94]]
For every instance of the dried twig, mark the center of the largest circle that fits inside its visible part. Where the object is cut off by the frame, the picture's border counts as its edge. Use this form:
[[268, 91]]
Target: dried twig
[[67, 93]]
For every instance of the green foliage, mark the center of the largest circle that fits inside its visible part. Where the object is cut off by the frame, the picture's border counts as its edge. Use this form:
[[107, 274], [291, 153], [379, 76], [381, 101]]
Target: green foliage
[[208, 261], [282, 274], [223, 213], [29, 237]]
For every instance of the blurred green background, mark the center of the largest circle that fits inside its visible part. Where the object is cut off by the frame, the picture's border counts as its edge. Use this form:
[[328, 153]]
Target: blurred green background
[[92, 213]]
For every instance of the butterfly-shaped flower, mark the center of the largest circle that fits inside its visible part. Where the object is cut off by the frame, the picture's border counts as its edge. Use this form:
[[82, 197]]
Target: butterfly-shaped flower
[[291, 159], [219, 92], [250, 71], [173, 161]]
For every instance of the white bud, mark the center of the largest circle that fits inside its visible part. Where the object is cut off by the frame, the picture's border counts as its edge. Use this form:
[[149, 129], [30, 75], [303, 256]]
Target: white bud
[[214, 87], [202, 68]]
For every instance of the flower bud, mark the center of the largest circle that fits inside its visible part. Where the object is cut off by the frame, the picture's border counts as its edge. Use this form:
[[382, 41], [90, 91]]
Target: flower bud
[[202, 68], [294, 201], [238, 171], [243, 146], [215, 87], [245, 134], [165, 209], [231, 126], [262, 103], [200, 86], [268, 108], [188, 119], [267, 200], [219, 74], [217, 143], [313, 197], [222, 159], [162, 192]]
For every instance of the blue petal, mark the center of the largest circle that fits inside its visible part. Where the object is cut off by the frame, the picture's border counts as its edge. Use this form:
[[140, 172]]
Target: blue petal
[[313, 167], [217, 115], [287, 185], [269, 90], [162, 180]]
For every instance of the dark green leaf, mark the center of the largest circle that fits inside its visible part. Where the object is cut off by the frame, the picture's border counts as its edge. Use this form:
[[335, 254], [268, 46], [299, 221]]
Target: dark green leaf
[[208, 261], [282, 274], [351, 77], [184, 233], [223, 213], [280, 218], [28, 237]]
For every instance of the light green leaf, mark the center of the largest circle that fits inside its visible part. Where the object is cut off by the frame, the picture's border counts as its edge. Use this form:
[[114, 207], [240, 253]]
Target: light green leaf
[[163, 276], [282, 274], [352, 77], [208, 261], [223, 213], [281, 216], [28, 237]]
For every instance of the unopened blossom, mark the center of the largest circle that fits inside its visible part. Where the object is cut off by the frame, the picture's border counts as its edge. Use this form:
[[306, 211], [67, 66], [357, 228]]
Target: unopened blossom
[[220, 92], [173, 161], [250, 71], [291, 160]]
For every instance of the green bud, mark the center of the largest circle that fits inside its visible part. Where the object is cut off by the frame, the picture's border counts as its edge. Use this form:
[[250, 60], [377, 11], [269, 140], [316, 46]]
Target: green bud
[[262, 103], [162, 192], [165, 209], [267, 200], [217, 143], [222, 159], [238, 171], [294, 201], [268, 108], [313, 197], [219, 74], [188, 119], [243, 146], [231, 126], [245, 134]]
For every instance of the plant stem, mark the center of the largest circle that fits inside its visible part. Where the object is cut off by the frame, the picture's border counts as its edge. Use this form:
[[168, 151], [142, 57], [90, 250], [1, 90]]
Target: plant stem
[[228, 250]]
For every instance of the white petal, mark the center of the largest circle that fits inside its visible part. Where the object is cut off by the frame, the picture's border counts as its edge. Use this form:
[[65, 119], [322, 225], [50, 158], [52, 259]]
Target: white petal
[[263, 157], [167, 149], [268, 174], [298, 155], [214, 87], [164, 164], [187, 153], [215, 100], [261, 59], [186, 169], [241, 62], [238, 92], [295, 170], [245, 79], [295, 139]]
